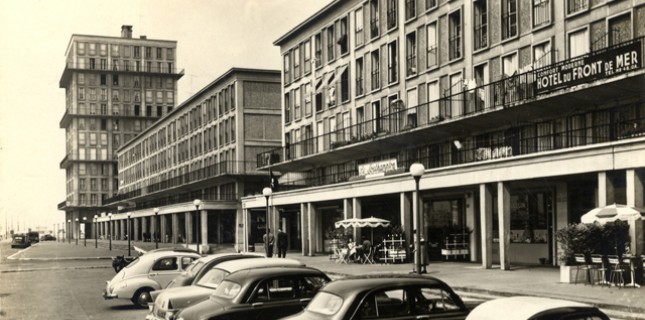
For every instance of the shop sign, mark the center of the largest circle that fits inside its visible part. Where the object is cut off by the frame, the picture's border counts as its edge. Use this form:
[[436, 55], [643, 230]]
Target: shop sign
[[377, 169], [493, 153], [603, 65]]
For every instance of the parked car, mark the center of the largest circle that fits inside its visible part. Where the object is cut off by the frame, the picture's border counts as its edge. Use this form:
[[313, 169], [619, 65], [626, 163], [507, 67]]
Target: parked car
[[20, 240], [386, 296], [535, 308], [147, 273], [260, 293], [47, 237], [170, 301], [119, 262]]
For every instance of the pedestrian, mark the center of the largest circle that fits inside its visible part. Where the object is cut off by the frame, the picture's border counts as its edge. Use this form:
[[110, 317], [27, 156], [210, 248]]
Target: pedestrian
[[282, 244], [269, 249]]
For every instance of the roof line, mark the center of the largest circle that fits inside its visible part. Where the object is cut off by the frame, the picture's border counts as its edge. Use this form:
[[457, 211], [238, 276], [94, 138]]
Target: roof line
[[308, 21]]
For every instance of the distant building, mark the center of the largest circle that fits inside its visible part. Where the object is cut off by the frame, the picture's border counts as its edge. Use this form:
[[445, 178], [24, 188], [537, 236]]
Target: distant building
[[206, 149], [525, 114], [115, 87]]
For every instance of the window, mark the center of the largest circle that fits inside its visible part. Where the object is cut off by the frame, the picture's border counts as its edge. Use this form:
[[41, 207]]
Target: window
[[331, 89], [509, 64], [103, 49], [433, 100], [358, 29], [410, 9], [331, 47], [375, 72], [377, 125], [360, 81], [306, 48], [343, 39], [578, 43], [81, 139], [344, 84], [296, 104], [148, 52], [81, 185], [307, 97], [115, 79], [393, 302], [287, 108], [509, 19], [103, 79], [481, 24], [158, 53], [170, 55], [81, 93], [454, 35], [542, 55], [393, 63], [115, 64], [619, 29], [541, 13], [103, 64], [431, 55], [374, 19], [115, 50], [575, 6], [391, 14], [431, 4], [287, 74], [411, 53], [318, 49], [80, 48], [296, 63], [319, 97], [166, 264]]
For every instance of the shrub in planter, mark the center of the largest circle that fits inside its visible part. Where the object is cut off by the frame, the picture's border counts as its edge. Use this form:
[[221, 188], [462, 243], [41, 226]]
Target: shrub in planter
[[577, 238]]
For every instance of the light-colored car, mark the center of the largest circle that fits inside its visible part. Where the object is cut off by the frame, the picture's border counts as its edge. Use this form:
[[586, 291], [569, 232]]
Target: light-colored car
[[535, 308], [172, 300], [149, 272]]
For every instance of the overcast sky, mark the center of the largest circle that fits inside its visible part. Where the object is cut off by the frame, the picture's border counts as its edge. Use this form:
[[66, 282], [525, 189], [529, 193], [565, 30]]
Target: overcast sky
[[212, 36]]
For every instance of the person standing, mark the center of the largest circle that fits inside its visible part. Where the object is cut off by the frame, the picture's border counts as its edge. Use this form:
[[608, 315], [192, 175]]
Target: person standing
[[271, 241], [282, 244]]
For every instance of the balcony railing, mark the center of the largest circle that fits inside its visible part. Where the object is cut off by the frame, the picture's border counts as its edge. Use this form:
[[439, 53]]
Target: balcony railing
[[123, 68], [465, 102], [111, 111], [185, 198]]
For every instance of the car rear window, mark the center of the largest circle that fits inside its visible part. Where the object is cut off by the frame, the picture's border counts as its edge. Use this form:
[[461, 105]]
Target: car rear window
[[212, 278], [227, 290], [325, 303]]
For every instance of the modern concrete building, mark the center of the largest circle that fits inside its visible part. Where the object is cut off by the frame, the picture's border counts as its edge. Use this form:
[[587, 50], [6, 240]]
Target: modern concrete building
[[115, 87], [206, 150], [525, 115]]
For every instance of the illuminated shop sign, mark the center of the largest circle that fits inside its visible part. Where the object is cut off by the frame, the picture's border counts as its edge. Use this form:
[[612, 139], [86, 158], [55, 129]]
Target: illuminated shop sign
[[605, 64], [377, 169], [493, 153]]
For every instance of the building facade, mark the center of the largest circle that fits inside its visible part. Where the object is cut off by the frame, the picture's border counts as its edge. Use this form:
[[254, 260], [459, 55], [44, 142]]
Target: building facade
[[115, 87], [525, 115], [206, 149]]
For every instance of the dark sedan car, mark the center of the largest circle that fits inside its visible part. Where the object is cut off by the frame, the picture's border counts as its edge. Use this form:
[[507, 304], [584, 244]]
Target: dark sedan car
[[202, 265], [262, 293], [48, 237], [385, 296]]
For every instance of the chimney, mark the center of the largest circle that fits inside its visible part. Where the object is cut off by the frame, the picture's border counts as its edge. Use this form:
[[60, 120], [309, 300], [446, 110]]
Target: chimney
[[126, 31], [143, 37]]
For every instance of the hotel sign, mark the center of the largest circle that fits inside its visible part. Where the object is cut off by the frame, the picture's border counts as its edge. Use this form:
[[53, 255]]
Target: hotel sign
[[377, 169], [602, 65], [493, 153]]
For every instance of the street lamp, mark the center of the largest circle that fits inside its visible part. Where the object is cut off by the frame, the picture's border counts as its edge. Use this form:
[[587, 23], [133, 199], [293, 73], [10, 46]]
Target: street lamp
[[110, 229], [78, 230], [197, 202], [84, 232], [156, 229], [416, 170], [96, 231], [129, 234], [267, 193], [69, 226]]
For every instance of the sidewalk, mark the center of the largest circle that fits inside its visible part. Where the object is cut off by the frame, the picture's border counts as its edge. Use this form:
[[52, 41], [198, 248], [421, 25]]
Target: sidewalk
[[468, 279]]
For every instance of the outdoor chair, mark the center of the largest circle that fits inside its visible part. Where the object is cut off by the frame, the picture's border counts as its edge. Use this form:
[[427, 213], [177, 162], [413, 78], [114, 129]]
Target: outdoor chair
[[368, 257], [617, 270], [599, 269], [581, 263]]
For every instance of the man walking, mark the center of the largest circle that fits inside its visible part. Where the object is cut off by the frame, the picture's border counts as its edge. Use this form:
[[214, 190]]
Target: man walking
[[271, 240], [282, 244]]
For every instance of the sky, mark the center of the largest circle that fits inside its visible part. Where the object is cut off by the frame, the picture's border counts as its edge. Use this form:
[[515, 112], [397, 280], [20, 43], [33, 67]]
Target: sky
[[212, 36]]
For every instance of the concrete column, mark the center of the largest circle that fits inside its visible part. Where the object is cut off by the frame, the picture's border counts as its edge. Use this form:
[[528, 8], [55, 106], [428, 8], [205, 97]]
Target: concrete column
[[486, 225], [357, 212], [304, 228], [348, 212], [144, 227], [203, 226], [175, 227], [605, 190], [310, 228], [135, 228], [123, 229], [634, 186], [406, 215], [188, 227], [504, 218], [244, 230]]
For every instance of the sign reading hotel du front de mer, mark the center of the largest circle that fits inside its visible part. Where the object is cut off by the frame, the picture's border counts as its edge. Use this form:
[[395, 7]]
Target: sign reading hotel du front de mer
[[377, 169], [602, 65]]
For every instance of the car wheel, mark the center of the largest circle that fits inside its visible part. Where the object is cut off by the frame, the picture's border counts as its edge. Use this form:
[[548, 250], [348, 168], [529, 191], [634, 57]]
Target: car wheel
[[142, 297]]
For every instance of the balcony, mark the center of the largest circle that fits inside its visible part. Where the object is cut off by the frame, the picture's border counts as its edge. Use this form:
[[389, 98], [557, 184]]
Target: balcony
[[71, 67], [552, 89], [112, 112]]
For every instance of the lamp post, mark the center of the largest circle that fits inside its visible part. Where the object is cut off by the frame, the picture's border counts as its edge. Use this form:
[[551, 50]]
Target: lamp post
[[84, 232], [416, 170], [129, 234], [157, 227], [69, 226], [78, 230], [197, 202], [96, 231], [267, 192], [110, 229]]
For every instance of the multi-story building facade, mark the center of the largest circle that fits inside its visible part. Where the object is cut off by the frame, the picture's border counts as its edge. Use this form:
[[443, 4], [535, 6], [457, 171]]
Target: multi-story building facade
[[206, 149], [115, 87], [525, 115]]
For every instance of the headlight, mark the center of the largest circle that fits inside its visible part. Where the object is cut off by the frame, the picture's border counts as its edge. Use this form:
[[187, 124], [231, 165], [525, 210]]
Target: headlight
[[170, 315]]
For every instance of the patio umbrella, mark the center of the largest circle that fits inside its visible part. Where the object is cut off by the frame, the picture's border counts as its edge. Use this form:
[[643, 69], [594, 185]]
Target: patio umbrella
[[361, 223], [612, 213]]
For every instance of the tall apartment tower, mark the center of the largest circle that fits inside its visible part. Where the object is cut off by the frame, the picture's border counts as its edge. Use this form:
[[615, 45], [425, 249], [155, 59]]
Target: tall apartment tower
[[115, 87]]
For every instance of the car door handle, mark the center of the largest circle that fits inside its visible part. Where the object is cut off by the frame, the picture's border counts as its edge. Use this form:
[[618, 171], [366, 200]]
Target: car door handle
[[257, 304], [305, 300], [153, 274]]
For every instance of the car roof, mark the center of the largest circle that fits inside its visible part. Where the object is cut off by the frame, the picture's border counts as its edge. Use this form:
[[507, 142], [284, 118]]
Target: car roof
[[240, 264], [261, 273], [212, 257], [356, 284], [520, 307]]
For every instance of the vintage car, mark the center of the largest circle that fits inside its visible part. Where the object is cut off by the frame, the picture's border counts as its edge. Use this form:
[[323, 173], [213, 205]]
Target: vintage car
[[172, 300], [20, 241], [535, 308], [259, 293], [47, 237], [149, 272], [119, 262], [386, 296]]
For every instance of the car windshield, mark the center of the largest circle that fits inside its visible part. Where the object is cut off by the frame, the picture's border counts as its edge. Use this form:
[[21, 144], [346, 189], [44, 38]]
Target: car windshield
[[227, 290], [212, 278], [195, 267], [325, 303]]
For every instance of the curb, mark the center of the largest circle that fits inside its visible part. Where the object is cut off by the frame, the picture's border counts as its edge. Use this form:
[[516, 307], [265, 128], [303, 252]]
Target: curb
[[50, 269], [58, 258]]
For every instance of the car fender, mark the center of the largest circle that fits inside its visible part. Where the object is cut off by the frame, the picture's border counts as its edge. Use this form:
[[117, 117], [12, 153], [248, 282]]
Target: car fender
[[134, 284]]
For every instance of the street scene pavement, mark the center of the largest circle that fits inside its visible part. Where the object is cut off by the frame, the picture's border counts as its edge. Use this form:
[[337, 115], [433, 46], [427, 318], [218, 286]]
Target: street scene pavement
[[470, 280]]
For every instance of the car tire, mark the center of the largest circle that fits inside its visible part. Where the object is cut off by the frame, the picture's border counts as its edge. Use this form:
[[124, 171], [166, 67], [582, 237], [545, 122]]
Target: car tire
[[142, 297]]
